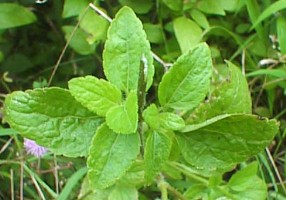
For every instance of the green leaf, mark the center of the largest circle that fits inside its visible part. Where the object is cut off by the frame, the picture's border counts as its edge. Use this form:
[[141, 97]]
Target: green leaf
[[196, 191], [227, 140], [95, 25], [123, 192], [89, 193], [124, 118], [273, 8], [176, 5], [124, 49], [171, 121], [154, 33], [97, 95], [53, 118], [187, 82], [187, 32], [253, 9], [140, 7], [157, 150], [278, 73], [79, 40], [211, 7], [165, 120], [74, 7], [110, 156], [245, 184], [200, 18], [13, 15], [151, 116], [230, 96], [281, 33]]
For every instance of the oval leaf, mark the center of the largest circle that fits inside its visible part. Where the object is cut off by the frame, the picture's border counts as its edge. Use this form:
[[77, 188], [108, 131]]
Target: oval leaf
[[188, 33], [157, 150], [231, 96], [53, 118], [124, 50], [13, 15], [110, 156], [124, 118], [171, 121], [220, 145], [97, 95], [186, 84]]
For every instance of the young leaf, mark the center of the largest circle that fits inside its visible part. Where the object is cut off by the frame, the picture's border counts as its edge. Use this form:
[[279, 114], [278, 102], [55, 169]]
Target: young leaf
[[157, 150], [151, 116], [245, 184], [124, 50], [110, 156], [171, 121], [13, 15], [97, 95], [165, 120], [186, 84], [187, 32], [200, 18], [124, 118], [231, 96], [53, 118], [229, 140]]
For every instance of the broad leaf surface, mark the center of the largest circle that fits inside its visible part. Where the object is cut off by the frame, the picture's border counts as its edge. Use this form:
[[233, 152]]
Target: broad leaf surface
[[53, 118], [13, 15], [93, 24], [124, 50], [151, 116], [231, 96], [175, 5], [79, 40], [110, 156], [165, 120], [171, 121], [186, 84], [97, 95], [123, 192], [245, 184], [74, 7], [188, 33], [232, 139], [124, 118], [157, 150]]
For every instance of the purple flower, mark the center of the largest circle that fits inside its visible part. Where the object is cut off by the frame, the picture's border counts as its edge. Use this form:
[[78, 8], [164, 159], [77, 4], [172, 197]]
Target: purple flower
[[33, 148]]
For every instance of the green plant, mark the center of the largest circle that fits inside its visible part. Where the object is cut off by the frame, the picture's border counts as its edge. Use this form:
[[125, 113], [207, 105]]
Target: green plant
[[200, 127]]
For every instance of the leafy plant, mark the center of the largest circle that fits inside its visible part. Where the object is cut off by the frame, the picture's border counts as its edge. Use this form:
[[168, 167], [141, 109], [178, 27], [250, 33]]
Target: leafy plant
[[201, 126]]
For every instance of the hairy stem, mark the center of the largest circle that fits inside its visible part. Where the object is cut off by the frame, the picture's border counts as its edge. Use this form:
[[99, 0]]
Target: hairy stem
[[141, 103]]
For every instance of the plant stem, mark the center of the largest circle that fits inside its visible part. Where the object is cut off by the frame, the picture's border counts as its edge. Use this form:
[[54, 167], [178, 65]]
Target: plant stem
[[141, 103], [165, 186]]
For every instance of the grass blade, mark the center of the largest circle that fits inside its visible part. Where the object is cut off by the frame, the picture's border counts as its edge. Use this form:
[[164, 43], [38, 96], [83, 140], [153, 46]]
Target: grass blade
[[275, 7], [281, 33], [73, 180]]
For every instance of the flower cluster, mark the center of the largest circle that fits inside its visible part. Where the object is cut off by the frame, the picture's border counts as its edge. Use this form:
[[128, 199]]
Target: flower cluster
[[33, 148]]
